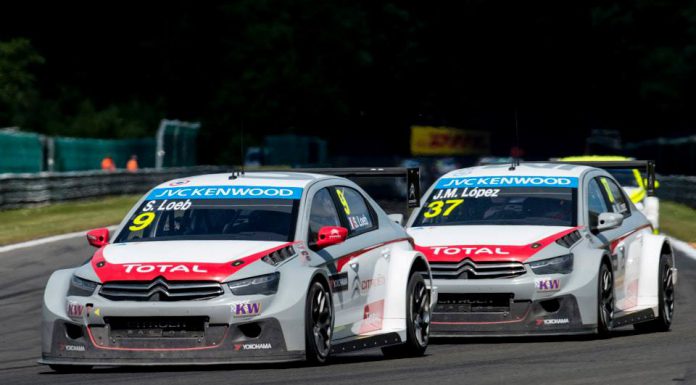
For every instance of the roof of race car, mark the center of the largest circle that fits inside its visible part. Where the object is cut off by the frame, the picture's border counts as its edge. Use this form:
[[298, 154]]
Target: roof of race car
[[523, 169], [273, 179]]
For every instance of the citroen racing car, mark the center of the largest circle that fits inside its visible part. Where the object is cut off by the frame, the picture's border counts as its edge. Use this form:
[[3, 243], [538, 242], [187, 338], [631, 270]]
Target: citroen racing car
[[539, 249], [631, 179], [260, 267]]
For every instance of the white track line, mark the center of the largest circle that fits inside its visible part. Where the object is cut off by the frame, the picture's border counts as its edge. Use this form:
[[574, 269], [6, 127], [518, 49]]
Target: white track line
[[683, 247], [42, 241]]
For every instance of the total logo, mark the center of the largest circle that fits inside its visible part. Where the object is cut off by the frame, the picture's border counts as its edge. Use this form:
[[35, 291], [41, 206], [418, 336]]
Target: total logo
[[261, 346], [246, 309], [438, 250], [141, 268]]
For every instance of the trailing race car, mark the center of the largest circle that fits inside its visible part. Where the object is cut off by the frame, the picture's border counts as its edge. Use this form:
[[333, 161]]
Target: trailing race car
[[260, 267], [541, 248], [631, 180]]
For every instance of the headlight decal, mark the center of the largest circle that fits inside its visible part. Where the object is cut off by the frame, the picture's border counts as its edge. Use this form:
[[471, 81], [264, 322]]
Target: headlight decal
[[263, 284], [81, 287], [557, 265]]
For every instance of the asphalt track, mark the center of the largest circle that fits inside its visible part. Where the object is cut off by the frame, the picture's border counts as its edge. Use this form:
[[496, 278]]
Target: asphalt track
[[626, 358]]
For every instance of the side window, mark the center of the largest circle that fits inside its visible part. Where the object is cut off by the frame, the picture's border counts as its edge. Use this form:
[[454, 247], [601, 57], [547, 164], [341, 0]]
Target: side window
[[323, 213], [617, 200], [356, 210], [595, 202]]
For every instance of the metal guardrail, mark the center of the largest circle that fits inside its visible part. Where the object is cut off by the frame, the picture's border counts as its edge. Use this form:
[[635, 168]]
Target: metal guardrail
[[677, 188], [23, 190]]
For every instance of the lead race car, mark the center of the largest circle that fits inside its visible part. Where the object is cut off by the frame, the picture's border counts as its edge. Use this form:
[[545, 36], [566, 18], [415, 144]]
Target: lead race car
[[255, 267], [541, 248]]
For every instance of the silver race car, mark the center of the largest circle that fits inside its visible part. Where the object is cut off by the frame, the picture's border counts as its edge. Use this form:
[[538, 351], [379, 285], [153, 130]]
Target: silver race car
[[255, 267], [541, 248]]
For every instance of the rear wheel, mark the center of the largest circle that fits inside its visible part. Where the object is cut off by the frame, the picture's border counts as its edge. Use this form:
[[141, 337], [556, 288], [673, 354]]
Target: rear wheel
[[666, 299], [70, 368], [318, 324], [605, 301], [417, 320]]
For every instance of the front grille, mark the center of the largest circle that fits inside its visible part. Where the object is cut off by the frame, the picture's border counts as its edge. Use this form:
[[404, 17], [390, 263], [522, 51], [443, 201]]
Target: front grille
[[473, 303], [160, 290], [156, 327], [468, 269]]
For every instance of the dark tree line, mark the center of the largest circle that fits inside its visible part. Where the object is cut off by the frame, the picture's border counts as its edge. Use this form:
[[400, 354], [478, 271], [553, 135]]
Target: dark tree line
[[357, 73]]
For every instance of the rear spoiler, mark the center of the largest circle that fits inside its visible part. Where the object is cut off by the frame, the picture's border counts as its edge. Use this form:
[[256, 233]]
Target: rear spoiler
[[410, 174], [647, 165]]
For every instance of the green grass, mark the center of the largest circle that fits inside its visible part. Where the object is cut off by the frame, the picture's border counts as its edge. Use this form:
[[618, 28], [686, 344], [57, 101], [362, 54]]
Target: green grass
[[678, 220], [31, 223]]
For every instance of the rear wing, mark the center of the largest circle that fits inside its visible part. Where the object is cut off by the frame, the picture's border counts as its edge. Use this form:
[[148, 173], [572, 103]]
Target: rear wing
[[407, 181], [647, 165]]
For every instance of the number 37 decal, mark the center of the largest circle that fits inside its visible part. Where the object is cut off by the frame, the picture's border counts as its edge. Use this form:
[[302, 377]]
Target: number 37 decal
[[435, 208]]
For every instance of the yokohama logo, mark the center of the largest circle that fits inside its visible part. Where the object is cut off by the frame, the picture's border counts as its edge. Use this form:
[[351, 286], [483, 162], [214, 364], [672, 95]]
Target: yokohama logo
[[139, 268]]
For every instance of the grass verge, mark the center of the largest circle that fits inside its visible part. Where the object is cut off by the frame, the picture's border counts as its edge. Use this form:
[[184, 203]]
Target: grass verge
[[678, 220], [25, 224]]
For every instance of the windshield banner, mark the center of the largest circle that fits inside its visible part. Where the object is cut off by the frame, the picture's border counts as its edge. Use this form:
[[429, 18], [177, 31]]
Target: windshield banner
[[508, 181], [226, 192]]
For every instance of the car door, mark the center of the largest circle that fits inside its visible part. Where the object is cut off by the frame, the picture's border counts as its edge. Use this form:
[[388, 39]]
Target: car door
[[625, 246], [370, 261]]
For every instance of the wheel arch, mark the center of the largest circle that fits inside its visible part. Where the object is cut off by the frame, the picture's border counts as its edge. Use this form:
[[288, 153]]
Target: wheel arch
[[654, 246]]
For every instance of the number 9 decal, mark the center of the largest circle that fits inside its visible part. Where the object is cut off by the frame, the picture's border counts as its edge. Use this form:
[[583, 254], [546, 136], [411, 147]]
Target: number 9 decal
[[142, 221]]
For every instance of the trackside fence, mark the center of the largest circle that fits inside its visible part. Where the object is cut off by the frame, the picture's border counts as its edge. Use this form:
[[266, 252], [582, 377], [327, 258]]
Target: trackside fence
[[23, 190], [677, 188]]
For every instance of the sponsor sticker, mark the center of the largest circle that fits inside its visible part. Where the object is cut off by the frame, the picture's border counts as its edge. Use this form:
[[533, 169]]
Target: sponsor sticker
[[367, 284], [247, 309], [257, 346], [547, 284], [358, 221], [372, 317], [226, 192], [74, 309], [507, 181], [552, 321], [445, 250], [162, 268], [339, 282], [74, 348]]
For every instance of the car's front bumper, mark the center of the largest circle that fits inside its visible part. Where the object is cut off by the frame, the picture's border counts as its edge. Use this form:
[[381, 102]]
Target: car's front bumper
[[509, 307], [172, 333]]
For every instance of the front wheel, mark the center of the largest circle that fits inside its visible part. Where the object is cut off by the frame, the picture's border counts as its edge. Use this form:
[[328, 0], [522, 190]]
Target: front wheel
[[417, 320], [318, 324], [605, 301], [663, 322]]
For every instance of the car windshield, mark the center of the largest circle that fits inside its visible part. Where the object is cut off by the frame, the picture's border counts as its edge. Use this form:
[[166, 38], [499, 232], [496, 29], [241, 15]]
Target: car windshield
[[500, 204], [625, 177], [214, 218]]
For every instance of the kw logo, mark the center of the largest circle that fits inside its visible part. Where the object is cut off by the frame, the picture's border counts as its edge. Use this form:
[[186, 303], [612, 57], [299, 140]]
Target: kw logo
[[247, 309]]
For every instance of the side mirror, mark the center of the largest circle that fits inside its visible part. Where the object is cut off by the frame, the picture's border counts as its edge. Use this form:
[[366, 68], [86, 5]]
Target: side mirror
[[608, 221], [98, 237], [398, 218], [331, 235]]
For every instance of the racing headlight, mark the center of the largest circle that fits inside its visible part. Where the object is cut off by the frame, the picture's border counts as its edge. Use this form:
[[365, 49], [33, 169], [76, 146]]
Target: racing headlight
[[557, 265], [263, 284], [81, 287]]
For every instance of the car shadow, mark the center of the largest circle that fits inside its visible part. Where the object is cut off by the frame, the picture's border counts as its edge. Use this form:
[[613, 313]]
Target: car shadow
[[530, 339]]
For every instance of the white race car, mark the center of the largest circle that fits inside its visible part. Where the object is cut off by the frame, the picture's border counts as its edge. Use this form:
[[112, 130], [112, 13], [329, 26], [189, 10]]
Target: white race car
[[256, 267], [541, 248]]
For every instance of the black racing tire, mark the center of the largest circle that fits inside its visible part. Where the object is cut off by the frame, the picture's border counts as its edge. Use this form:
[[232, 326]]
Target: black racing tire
[[417, 320], [318, 324], [605, 301], [666, 294], [70, 368]]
